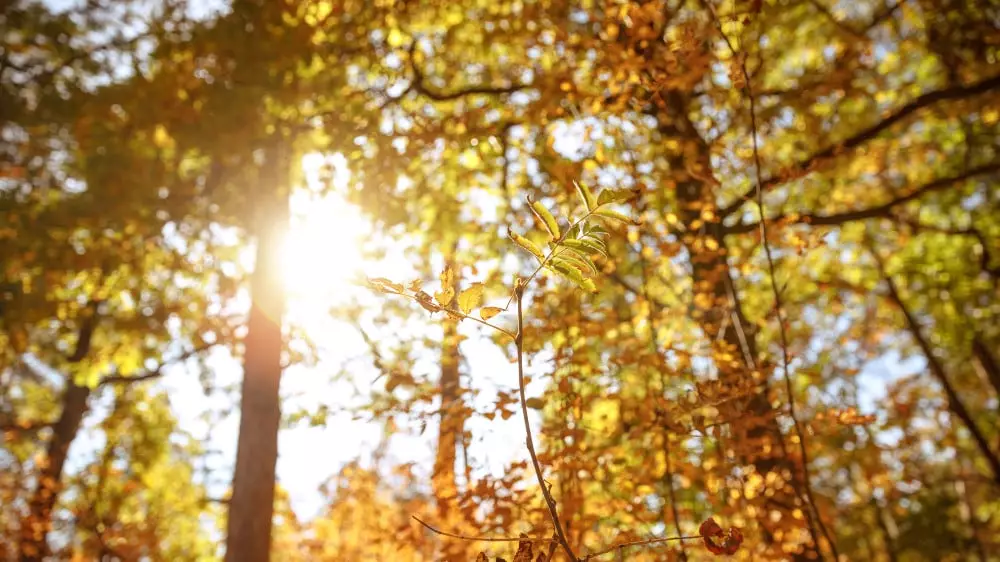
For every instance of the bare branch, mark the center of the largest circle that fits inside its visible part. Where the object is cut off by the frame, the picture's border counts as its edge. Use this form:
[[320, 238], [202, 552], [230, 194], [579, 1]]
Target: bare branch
[[812, 162], [645, 542], [479, 539], [158, 371], [883, 210], [420, 86], [955, 403]]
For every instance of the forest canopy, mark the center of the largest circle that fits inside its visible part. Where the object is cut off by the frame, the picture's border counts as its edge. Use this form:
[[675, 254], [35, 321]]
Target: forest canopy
[[541, 280]]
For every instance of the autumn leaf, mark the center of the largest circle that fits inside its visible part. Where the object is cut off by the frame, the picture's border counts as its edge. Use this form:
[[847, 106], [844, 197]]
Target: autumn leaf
[[427, 302], [384, 285], [711, 533], [469, 298], [488, 312], [535, 403], [447, 292], [523, 553]]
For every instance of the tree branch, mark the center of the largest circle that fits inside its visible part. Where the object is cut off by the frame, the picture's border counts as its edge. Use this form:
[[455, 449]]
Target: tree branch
[[158, 371], [955, 404], [420, 86], [810, 163], [476, 538], [883, 210]]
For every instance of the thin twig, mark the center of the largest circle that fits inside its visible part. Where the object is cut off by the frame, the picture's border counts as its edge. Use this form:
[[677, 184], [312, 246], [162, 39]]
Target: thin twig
[[549, 502], [814, 518], [644, 542], [479, 539]]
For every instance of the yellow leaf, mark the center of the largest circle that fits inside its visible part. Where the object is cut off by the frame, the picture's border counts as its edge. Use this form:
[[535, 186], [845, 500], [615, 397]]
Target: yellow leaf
[[488, 312], [527, 245], [447, 292], [545, 217], [469, 298]]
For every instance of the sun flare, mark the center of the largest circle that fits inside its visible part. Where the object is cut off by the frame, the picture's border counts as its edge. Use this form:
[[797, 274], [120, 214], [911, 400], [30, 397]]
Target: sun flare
[[321, 252]]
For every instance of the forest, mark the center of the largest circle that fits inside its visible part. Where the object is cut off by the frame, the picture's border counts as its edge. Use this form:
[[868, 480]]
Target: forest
[[493, 280]]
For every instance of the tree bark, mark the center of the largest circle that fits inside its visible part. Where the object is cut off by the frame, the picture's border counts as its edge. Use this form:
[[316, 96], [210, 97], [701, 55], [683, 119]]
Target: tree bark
[[252, 505], [36, 525]]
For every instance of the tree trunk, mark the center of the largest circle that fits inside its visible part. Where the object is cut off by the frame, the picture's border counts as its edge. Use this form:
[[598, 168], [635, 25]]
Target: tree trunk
[[451, 427], [38, 522], [452, 420], [716, 301], [252, 505]]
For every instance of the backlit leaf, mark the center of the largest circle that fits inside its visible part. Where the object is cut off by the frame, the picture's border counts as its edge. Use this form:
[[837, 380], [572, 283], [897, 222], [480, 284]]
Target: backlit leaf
[[447, 292], [469, 298], [527, 245], [586, 197], [545, 218], [488, 312]]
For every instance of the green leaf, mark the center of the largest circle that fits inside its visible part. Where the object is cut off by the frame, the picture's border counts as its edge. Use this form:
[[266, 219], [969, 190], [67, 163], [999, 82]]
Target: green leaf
[[608, 196], [588, 245], [614, 215], [574, 275], [585, 196], [546, 218], [581, 262], [527, 245], [469, 298]]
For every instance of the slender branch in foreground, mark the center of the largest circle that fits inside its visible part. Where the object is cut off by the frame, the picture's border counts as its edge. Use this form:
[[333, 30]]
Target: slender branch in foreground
[[814, 518], [458, 313], [645, 542], [480, 539], [549, 501]]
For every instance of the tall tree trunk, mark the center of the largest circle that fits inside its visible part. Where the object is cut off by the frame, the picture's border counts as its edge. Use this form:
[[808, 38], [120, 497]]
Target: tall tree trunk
[[450, 429], [38, 522], [955, 403], [252, 505], [716, 303], [452, 420]]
